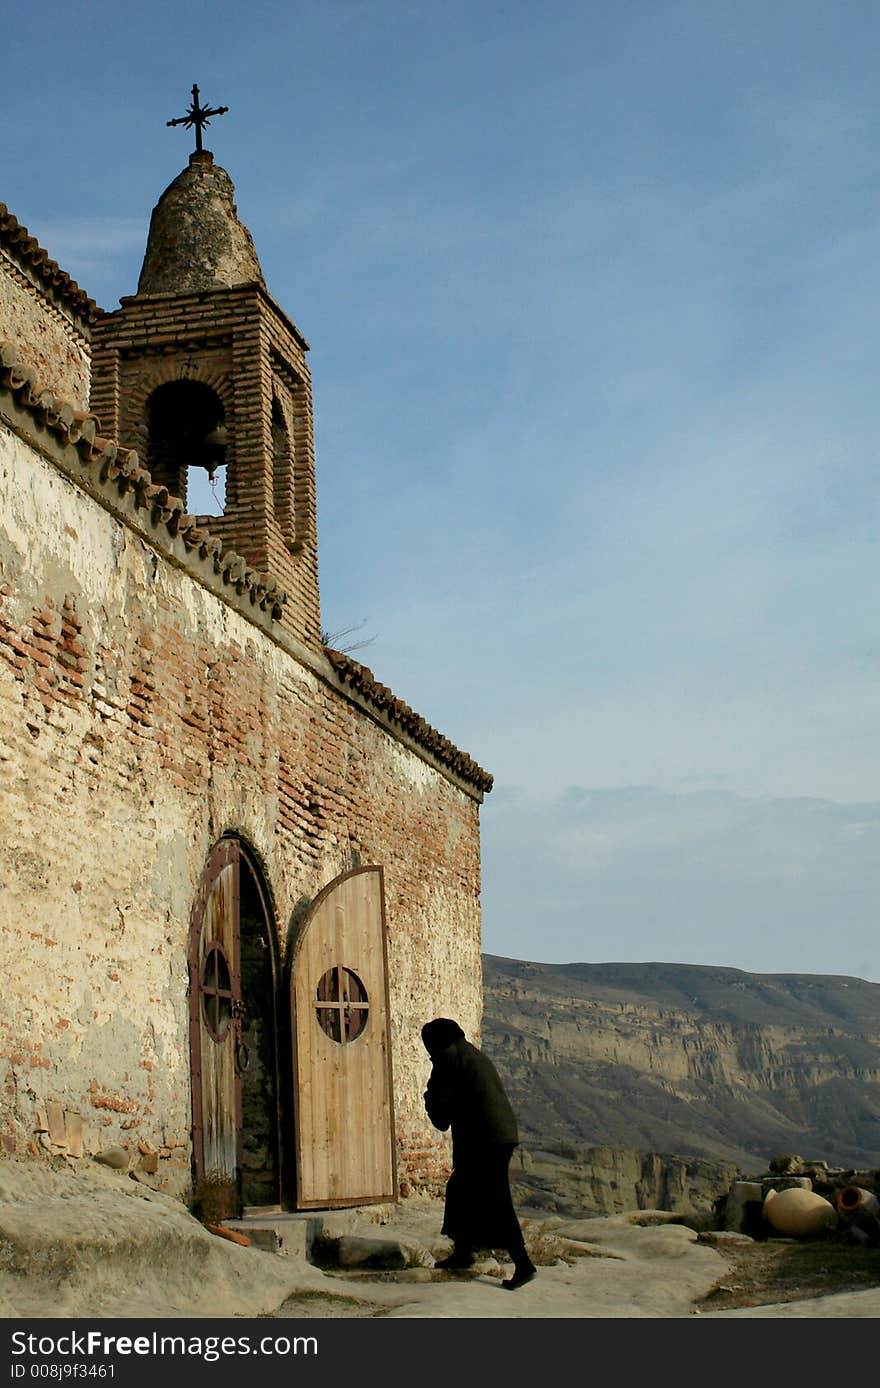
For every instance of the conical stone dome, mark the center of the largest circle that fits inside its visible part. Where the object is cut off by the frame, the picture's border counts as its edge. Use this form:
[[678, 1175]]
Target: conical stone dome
[[196, 240]]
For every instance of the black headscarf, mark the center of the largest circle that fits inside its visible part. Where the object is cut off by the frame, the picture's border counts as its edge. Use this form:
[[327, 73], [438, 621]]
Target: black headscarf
[[439, 1034]]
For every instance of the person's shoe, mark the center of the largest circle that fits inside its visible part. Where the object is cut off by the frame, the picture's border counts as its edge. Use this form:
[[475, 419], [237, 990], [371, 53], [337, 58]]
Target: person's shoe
[[456, 1262], [521, 1275]]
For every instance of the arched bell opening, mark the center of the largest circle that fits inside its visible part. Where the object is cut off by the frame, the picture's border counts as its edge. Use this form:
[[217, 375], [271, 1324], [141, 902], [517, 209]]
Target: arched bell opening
[[282, 475], [187, 444]]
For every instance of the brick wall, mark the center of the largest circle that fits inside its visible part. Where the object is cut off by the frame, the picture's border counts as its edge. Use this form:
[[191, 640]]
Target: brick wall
[[141, 716], [239, 343], [49, 338]]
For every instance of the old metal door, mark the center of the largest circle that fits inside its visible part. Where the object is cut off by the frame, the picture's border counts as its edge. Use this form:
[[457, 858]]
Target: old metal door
[[344, 1114], [215, 1010]]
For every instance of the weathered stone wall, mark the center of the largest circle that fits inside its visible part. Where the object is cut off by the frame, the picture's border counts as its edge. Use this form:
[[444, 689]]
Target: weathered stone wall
[[141, 716], [47, 338]]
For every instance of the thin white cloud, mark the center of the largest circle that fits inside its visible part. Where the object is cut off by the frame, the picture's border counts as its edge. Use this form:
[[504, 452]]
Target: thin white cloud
[[612, 874], [592, 303], [95, 251]]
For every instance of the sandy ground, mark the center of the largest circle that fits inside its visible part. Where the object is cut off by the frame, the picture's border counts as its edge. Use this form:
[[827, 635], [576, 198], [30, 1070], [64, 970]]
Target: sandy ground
[[94, 1243]]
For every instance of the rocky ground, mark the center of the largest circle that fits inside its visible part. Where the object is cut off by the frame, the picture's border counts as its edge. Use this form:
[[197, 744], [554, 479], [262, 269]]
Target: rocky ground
[[751, 1274], [94, 1243]]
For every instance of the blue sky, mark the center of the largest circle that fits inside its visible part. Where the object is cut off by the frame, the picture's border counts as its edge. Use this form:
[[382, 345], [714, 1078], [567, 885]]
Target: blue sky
[[591, 291]]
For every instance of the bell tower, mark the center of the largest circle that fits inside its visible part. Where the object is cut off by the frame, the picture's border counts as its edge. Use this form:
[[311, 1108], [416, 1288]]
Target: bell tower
[[205, 376]]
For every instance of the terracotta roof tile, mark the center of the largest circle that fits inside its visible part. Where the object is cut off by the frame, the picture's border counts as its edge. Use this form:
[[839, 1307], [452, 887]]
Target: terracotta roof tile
[[28, 251], [359, 678]]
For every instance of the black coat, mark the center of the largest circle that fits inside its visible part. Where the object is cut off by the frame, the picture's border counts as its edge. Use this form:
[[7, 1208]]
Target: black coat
[[466, 1094]]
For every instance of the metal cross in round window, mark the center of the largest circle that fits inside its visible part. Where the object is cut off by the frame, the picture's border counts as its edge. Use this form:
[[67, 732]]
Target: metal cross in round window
[[216, 985], [341, 1004]]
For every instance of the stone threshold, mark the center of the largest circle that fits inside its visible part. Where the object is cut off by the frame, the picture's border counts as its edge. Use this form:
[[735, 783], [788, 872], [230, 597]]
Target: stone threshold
[[337, 1238]]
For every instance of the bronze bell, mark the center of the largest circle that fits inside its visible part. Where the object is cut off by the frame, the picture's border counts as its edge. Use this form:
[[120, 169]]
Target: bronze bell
[[214, 449]]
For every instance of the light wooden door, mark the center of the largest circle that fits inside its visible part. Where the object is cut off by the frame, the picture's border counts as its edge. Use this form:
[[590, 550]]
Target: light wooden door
[[344, 1114], [215, 1012]]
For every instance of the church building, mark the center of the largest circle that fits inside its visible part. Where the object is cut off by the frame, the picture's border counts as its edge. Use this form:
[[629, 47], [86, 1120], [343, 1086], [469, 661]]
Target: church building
[[237, 873]]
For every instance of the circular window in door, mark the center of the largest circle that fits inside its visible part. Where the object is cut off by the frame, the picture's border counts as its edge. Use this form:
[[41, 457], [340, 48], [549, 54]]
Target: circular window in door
[[341, 1005], [216, 985]]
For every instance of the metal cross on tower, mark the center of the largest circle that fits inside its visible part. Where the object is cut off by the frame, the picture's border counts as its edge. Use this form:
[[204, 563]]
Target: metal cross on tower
[[198, 116]]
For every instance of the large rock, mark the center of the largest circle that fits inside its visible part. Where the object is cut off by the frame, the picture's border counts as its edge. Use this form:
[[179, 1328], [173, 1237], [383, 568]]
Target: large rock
[[743, 1211]]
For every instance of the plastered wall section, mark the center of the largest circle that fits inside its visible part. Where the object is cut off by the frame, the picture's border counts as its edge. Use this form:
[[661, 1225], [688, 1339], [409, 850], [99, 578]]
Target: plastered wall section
[[140, 718], [46, 339]]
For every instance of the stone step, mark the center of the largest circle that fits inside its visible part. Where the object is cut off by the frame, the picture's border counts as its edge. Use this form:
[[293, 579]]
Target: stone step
[[293, 1234], [331, 1238]]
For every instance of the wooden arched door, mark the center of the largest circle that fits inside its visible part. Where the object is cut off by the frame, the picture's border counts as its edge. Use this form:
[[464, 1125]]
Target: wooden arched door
[[215, 1010], [234, 1037], [343, 1099]]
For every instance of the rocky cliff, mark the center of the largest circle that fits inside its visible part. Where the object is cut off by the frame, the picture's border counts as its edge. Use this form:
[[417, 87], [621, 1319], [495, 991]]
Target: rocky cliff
[[615, 1180], [690, 1060]]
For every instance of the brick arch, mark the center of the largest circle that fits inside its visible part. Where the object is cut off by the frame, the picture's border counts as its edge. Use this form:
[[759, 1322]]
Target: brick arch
[[229, 827], [259, 868], [150, 377]]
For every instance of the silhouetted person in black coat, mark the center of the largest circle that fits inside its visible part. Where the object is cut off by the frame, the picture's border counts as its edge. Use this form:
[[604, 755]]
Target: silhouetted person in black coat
[[466, 1094]]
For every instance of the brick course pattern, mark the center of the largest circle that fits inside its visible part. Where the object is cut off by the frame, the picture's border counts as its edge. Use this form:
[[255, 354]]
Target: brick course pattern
[[240, 344], [203, 318], [140, 718], [46, 312], [163, 682]]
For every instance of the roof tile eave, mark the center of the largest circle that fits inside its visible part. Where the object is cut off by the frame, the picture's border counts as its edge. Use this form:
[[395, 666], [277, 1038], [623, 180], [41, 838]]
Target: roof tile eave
[[362, 679], [28, 251]]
